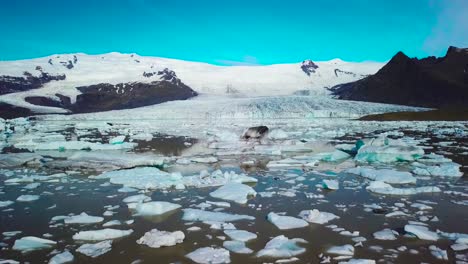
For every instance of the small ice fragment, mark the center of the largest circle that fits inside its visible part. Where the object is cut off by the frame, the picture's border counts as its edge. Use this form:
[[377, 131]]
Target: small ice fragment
[[386, 234], [95, 250], [330, 184], [286, 222], [317, 217], [102, 234], [210, 255], [422, 232], [61, 258], [237, 247], [27, 198], [240, 235], [157, 239], [155, 208], [438, 253], [345, 250], [206, 216], [233, 191], [117, 140], [83, 219], [30, 243], [282, 247], [358, 261]]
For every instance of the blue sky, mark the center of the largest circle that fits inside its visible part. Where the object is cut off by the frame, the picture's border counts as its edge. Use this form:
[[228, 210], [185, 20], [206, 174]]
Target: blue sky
[[233, 32]]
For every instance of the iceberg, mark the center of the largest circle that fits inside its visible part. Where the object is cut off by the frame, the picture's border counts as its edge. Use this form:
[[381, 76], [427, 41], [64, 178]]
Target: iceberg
[[438, 253], [385, 188], [6, 203], [386, 234], [83, 219], [358, 261], [286, 222], [240, 235], [422, 232], [386, 150], [102, 234], [237, 247], [384, 175], [210, 255], [317, 217], [282, 247], [155, 208], [157, 239], [448, 169], [345, 250], [236, 192], [61, 258], [31, 243], [207, 216], [95, 250], [117, 140], [27, 198], [330, 184]]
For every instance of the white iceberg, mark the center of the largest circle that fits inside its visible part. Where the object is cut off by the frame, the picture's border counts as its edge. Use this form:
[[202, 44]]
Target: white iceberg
[[345, 250], [286, 222], [6, 203], [330, 184], [207, 216], [61, 258], [317, 217], [237, 247], [384, 175], [358, 261], [385, 188], [83, 219], [27, 198], [282, 247], [155, 208], [236, 192], [102, 234], [422, 232], [386, 234], [448, 169], [30, 243], [117, 140], [95, 250], [210, 255], [387, 150], [157, 239], [240, 235]]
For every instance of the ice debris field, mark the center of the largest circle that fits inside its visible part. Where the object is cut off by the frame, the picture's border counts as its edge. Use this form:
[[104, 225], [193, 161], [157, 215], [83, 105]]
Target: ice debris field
[[307, 191]]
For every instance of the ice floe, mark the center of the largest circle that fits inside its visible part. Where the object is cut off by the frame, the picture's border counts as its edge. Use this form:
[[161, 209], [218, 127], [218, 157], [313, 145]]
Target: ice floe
[[317, 217], [207, 216], [286, 222], [385, 188], [345, 250], [61, 258], [421, 232], [155, 208], [240, 235], [386, 234], [157, 239], [95, 250], [238, 247], [27, 198], [210, 255], [384, 175], [83, 219], [30, 243], [102, 234], [282, 247], [236, 192]]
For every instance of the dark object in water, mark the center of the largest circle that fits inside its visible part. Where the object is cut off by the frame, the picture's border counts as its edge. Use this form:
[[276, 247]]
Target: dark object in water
[[379, 211], [255, 132]]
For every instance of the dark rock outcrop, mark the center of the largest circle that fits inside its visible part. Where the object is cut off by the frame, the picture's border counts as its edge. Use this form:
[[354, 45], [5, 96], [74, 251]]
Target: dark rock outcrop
[[105, 96], [13, 84], [255, 132], [8, 111], [428, 82], [308, 67]]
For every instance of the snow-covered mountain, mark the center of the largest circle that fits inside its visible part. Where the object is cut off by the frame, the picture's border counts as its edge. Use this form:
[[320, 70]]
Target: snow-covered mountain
[[58, 83]]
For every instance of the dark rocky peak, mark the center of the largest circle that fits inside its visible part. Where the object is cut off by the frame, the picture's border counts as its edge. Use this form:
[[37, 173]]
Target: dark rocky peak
[[308, 67], [12, 84], [453, 49], [67, 64]]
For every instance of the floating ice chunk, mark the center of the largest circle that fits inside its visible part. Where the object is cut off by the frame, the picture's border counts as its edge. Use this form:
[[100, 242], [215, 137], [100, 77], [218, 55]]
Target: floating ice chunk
[[233, 191], [334, 156], [221, 225], [385, 188], [237, 247], [6, 203], [112, 223], [457, 237], [111, 161], [386, 234], [317, 217], [72, 145], [240, 235], [210, 255], [358, 261], [95, 250], [138, 198], [438, 253], [64, 257], [117, 140], [219, 204], [330, 184], [207, 216], [145, 178], [345, 250], [282, 247], [142, 136], [286, 222], [459, 247], [102, 234], [448, 169], [422, 232], [157, 239], [384, 175], [30, 243], [155, 208], [277, 134], [83, 219], [205, 160], [421, 206], [388, 151], [27, 198]]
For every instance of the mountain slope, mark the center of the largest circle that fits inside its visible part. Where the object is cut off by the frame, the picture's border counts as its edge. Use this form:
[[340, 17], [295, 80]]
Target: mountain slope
[[429, 82]]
